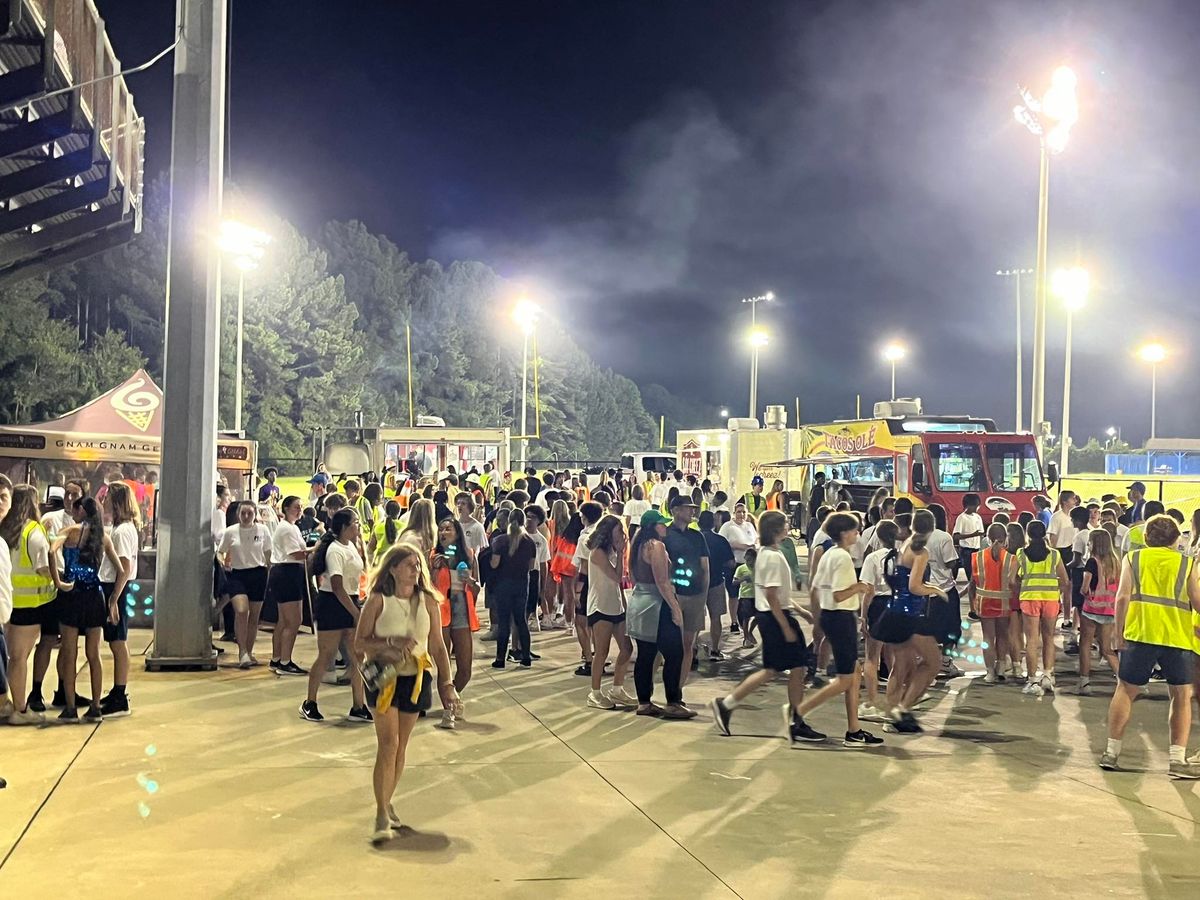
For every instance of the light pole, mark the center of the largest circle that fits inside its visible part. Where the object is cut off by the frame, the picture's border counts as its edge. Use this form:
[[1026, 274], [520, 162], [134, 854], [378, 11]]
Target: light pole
[[1153, 353], [246, 246], [1114, 434], [754, 333], [1016, 274], [893, 353], [1050, 118], [525, 315], [758, 340], [1071, 286]]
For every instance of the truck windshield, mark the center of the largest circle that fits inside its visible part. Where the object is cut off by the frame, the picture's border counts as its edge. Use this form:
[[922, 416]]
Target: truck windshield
[[957, 467], [1014, 467]]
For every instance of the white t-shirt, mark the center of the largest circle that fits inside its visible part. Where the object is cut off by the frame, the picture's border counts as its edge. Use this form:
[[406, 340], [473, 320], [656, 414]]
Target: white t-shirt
[[581, 550], [867, 537], [968, 523], [741, 534], [634, 509], [342, 559], [58, 521], [1061, 529], [6, 601], [218, 525], [1080, 544], [835, 572], [942, 556], [284, 542], [820, 537], [872, 571], [858, 551], [475, 535], [771, 570], [125, 542], [247, 547], [658, 493], [543, 547]]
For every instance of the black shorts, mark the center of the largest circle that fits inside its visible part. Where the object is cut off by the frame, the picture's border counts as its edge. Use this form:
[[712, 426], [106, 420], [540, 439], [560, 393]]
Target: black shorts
[[876, 609], [286, 583], [1138, 661], [45, 616], [331, 615], [402, 698], [83, 608], [250, 582], [891, 626], [535, 593], [966, 558], [777, 653], [943, 622], [119, 631], [745, 609], [595, 617], [1076, 587], [841, 631], [219, 590]]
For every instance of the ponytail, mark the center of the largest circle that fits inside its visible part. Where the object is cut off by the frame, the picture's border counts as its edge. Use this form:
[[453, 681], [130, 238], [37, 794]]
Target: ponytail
[[1037, 549], [516, 528], [924, 524], [391, 524], [341, 519]]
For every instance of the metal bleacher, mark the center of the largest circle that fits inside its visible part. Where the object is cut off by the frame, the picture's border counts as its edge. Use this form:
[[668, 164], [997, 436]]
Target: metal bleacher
[[71, 141]]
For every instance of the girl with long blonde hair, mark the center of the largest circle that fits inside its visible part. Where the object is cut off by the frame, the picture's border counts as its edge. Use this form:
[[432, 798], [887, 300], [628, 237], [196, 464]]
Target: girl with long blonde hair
[[1101, 575], [421, 527]]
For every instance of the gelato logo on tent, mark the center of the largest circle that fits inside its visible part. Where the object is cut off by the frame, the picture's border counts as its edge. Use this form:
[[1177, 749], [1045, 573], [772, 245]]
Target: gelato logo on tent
[[135, 406]]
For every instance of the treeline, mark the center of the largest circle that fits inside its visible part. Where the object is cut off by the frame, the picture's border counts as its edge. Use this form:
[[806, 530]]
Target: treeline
[[325, 325]]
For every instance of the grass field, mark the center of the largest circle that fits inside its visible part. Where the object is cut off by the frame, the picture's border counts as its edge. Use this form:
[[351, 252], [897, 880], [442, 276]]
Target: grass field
[[1180, 492]]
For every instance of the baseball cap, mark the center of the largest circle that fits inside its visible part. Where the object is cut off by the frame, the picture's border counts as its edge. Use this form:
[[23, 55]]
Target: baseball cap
[[757, 479], [681, 501], [1137, 486], [472, 478], [321, 478], [443, 475], [652, 517]]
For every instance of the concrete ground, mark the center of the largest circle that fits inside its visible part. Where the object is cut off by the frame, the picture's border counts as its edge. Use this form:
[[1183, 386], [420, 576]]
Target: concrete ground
[[215, 788]]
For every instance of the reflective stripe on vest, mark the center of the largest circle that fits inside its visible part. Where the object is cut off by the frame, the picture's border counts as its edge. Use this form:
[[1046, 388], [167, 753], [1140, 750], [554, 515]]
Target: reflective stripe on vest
[[991, 586], [1159, 611], [754, 503], [30, 590], [1039, 580]]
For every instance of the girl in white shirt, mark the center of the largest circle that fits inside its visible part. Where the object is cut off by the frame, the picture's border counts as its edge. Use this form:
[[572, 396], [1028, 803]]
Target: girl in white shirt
[[287, 586], [245, 552]]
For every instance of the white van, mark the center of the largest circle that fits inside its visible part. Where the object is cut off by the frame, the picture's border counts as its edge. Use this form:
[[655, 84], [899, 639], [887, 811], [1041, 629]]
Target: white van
[[636, 465]]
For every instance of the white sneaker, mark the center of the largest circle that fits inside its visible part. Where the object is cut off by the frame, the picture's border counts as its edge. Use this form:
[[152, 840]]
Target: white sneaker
[[869, 713], [1085, 688], [460, 709], [245, 662], [599, 700], [1031, 687], [254, 660], [621, 698], [329, 678], [559, 621], [6, 709], [29, 717], [535, 624], [989, 678], [1047, 684], [949, 669], [447, 721], [1194, 759]]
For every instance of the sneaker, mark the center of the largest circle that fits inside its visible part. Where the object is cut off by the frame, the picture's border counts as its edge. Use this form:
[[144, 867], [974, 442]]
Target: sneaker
[[949, 670], [1157, 674], [1194, 759], [990, 678], [535, 624], [869, 713], [1071, 647], [1108, 762], [6, 709], [274, 665], [359, 714], [447, 720], [499, 664], [380, 836], [1047, 684], [649, 709], [35, 702], [1065, 626], [309, 712], [1031, 686], [858, 740], [290, 668], [734, 627], [599, 700], [115, 707], [228, 638], [721, 715], [340, 662], [678, 711], [489, 636], [68, 717], [94, 715], [584, 670], [244, 662], [28, 717], [1085, 688], [60, 699], [335, 679], [254, 660], [621, 698], [800, 732], [1184, 771], [559, 621], [748, 642], [904, 723], [716, 656]]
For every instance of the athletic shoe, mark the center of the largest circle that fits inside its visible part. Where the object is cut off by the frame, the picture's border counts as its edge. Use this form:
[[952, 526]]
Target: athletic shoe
[[115, 707], [1071, 648], [489, 636], [68, 717], [748, 642], [1194, 759], [734, 627], [1047, 684], [28, 717], [274, 665], [949, 669], [598, 700], [678, 711], [6, 709], [335, 679], [340, 662], [60, 699], [1157, 674], [859, 740], [800, 732], [245, 662], [721, 715], [35, 702], [380, 836], [621, 698], [1108, 762], [1085, 688], [1031, 686], [254, 660], [359, 714], [535, 624], [498, 664], [869, 713], [290, 668], [715, 656], [526, 661], [309, 712], [990, 678], [447, 720], [1065, 626], [584, 671], [1184, 771], [228, 637], [649, 709], [905, 723]]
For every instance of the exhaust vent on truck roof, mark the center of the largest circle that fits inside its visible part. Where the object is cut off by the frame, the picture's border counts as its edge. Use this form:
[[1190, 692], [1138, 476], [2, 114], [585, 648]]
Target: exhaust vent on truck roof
[[890, 409]]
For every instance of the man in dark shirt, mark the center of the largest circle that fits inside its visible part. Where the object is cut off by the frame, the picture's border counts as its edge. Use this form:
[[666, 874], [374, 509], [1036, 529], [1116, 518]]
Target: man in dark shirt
[[816, 497], [720, 560], [688, 557]]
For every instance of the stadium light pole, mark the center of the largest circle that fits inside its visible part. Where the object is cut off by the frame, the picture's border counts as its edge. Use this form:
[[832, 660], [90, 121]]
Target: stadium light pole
[[1153, 353], [1071, 286], [1016, 274], [245, 246], [755, 344], [1050, 118], [893, 353], [525, 314]]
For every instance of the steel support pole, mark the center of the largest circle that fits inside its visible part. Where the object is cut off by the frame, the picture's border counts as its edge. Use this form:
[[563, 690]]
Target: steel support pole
[[237, 379], [1020, 364], [183, 584], [1153, 401], [1038, 411], [524, 403], [1065, 438]]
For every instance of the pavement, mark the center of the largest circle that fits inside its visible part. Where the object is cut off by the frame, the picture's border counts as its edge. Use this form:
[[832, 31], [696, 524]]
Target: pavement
[[215, 788]]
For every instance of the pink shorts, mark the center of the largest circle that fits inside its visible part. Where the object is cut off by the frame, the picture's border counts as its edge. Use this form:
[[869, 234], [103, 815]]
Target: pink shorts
[[1046, 609]]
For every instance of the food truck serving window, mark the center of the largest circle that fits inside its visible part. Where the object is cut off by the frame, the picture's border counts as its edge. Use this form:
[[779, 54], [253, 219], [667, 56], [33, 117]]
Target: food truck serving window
[[957, 467], [1014, 467]]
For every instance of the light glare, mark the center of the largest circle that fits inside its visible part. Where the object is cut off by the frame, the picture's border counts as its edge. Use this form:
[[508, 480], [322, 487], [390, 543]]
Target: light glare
[[1071, 286], [759, 337], [525, 314], [1153, 353], [894, 352]]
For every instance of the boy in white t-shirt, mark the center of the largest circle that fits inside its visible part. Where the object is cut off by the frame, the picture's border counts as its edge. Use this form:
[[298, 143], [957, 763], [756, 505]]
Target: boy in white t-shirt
[[968, 529]]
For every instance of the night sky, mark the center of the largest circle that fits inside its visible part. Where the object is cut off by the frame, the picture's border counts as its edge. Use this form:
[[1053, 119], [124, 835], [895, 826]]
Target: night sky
[[643, 164]]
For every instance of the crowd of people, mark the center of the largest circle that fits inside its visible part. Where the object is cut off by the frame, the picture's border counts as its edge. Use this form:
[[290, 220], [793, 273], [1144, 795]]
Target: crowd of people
[[405, 581]]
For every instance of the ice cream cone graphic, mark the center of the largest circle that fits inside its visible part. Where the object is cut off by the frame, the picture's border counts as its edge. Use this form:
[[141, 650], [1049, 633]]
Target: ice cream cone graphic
[[135, 406]]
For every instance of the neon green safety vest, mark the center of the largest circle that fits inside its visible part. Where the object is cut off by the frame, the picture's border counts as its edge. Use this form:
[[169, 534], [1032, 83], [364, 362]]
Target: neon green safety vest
[[1159, 612], [1039, 580], [755, 503], [30, 590], [1137, 536]]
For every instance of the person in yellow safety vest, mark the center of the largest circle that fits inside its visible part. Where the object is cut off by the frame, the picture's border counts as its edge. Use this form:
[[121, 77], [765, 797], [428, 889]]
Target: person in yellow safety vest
[[34, 580], [989, 590], [1135, 537], [756, 503], [1040, 579], [1158, 599]]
